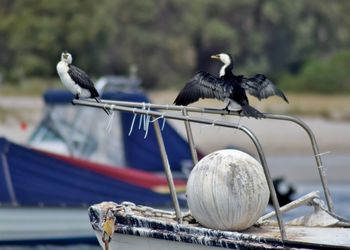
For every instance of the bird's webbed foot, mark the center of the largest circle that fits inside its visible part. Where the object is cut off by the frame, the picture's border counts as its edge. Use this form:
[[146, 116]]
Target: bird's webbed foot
[[241, 113], [226, 109]]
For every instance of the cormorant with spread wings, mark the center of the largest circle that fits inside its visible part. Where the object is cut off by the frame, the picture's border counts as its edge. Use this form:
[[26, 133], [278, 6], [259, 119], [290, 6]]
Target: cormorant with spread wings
[[229, 88]]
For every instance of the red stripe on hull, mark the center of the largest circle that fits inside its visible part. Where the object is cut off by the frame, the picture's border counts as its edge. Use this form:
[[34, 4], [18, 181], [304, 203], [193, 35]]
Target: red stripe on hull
[[129, 175]]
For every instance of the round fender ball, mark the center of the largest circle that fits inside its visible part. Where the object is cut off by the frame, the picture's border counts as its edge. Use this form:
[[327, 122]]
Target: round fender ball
[[227, 190]]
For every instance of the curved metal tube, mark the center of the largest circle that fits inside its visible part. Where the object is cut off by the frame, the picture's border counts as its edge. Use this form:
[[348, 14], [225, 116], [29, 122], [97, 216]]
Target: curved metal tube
[[203, 121], [317, 154], [303, 125]]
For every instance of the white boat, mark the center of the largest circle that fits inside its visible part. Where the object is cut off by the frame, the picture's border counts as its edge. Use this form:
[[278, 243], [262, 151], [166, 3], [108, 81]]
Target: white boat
[[129, 226], [139, 227]]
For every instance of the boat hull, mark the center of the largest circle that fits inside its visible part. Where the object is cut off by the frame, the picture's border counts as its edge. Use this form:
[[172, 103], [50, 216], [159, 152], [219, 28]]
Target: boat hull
[[131, 242], [299, 238], [138, 227]]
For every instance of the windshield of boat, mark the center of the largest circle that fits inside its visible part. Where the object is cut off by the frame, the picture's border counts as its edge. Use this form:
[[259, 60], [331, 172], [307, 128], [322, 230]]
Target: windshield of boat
[[80, 132]]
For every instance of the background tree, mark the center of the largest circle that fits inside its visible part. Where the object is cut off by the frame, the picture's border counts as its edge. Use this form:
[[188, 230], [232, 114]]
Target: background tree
[[170, 39]]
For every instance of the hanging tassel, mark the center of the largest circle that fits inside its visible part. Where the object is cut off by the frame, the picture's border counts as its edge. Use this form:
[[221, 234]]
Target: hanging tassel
[[324, 153], [163, 122], [147, 120], [142, 117], [132, 123], [110, 120]]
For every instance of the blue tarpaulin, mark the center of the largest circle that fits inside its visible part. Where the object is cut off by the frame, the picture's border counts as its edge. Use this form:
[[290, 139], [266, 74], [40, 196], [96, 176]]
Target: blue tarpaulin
[[31, 178]]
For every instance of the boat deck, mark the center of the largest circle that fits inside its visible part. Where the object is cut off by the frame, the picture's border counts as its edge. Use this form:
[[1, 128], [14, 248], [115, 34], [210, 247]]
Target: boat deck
[[336, 236], [152, 223]]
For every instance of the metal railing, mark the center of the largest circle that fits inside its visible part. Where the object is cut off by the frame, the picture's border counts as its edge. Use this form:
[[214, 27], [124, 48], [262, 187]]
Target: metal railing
[[149, 110]]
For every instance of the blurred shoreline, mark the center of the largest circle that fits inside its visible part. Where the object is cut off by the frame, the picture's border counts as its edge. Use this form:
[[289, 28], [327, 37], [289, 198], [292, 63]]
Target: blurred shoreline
[[286, 145], [20, 115]]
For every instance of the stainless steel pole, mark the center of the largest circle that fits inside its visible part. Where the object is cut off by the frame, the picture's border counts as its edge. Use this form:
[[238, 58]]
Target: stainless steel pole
[[317, 155], [167, 170], [190, 138], [273, 195]]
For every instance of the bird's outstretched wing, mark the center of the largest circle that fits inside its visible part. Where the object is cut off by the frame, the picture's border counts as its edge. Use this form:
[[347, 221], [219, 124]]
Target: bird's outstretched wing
[[203, 85], [82, 79], [261, 87]]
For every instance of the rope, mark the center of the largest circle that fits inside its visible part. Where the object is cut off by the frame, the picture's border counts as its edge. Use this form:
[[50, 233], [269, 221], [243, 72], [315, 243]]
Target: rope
[[142, 116], [163, 124], [146, 124], [324, 153], [159, 117], [133, 122], [111, 120], [145, 120], [105, 106]]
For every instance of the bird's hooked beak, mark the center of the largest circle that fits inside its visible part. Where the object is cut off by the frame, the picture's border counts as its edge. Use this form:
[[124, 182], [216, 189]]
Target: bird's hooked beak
[[215, 57]]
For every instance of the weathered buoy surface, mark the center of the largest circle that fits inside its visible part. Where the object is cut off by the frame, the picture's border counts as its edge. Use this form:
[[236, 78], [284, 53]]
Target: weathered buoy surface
[[227, 190]]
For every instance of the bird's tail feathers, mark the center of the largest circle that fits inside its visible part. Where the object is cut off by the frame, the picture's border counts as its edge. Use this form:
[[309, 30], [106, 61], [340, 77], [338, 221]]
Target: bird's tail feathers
[[249, 111], [280, 94], [104, 109]]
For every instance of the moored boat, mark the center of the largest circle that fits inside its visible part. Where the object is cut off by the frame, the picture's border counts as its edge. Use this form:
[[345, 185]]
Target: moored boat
[[47, 185], [139, 227], [127, 226]]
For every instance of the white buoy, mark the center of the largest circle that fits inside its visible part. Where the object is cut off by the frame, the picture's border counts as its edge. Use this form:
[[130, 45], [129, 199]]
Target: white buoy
[[227, 190]]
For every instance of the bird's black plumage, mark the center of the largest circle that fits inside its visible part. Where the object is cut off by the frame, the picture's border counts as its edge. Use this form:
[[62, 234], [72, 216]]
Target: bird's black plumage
[[261, 87], [228, 87], [83, 80], [203, 85]]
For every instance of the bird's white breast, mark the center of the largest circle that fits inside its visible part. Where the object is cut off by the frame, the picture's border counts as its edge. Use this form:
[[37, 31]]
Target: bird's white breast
[[62, 70], [222, 70], [232, 105]]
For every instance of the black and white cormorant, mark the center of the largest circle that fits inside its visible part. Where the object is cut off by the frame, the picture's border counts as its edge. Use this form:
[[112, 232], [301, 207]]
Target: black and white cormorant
[[229, 88], [75, 79]]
